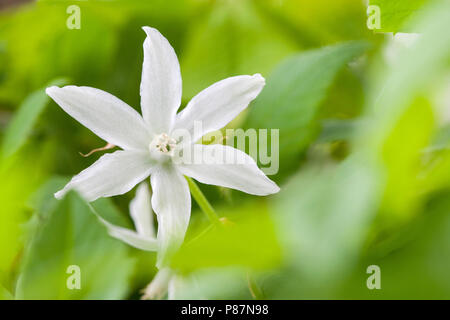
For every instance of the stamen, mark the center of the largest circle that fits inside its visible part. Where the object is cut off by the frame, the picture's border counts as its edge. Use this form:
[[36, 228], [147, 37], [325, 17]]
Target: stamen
[[163, 143], [106, 147]]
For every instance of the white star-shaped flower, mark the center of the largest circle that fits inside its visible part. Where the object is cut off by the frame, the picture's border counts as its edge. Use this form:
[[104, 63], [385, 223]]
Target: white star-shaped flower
[[150, 146]]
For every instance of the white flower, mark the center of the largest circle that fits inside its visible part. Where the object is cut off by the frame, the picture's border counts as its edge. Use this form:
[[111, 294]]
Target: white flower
[[147, 141]]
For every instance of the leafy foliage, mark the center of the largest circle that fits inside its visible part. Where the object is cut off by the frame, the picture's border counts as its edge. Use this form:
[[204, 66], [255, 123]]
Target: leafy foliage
[[70, 235], [25, 119], [290, 102], [396, 14], [247, 238]]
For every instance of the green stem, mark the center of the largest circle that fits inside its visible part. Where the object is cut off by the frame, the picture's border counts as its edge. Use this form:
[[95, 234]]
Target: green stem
[[254, 288], [202, 202]]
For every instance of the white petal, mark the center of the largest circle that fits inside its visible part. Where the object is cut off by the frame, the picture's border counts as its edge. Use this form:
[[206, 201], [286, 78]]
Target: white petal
[[172, 204], [112, 174], [176, 285], [141, 211], [160, 83], [157, 289], [130, 237], [218, 104], [107, 116], [228, 167]]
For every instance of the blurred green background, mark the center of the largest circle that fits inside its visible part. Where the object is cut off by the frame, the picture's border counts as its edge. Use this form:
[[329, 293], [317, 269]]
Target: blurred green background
[[364, 120]]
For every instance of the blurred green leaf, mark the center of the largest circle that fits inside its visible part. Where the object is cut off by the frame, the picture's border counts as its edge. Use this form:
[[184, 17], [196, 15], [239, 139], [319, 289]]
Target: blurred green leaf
[[42, 201], [402, 157], [25, 118], [214, 283], [231, 38], [414, 265], [319, 22], [323, 216], [83, 55], [246, 239], [400, 121], [328, 219], [442, 139], [20, 175], [395, 13], [436, 174], [71, 235], [413, 262], [5, 294], [291, 99], [337, 129]]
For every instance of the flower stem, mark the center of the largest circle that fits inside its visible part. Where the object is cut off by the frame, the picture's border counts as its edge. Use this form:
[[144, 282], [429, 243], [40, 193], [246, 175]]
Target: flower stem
[[202, 202], [254, 288]]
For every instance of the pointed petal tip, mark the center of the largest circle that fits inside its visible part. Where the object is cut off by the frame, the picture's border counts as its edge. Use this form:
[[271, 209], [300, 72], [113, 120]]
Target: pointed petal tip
[[51, 90], [150, 31], [272, 189], [276, 188], [259, 78], [58, 195]]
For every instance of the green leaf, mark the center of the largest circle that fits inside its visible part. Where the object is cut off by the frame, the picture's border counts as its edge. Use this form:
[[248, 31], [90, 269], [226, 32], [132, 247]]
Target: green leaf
[[337, 129], [5, 294], [291, 99], [25, 118], [20, 175], [84, 55], [323, 217], [436, 175], [413, 261], [394, 14], [403, 157], [319, 22], [42, 200], [442, 139], [232, 38], [215, 284], [247, 238], [72, 235], [400, 119]]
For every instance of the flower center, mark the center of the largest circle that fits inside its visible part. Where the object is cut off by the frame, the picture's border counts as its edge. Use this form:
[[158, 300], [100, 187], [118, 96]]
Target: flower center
[[163, 145]]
